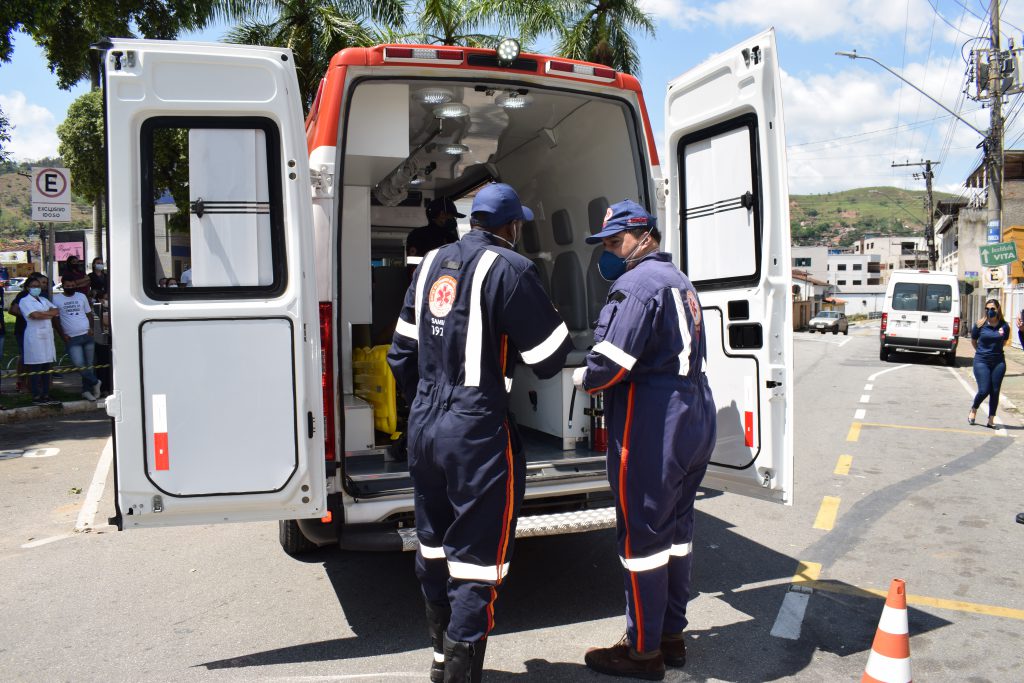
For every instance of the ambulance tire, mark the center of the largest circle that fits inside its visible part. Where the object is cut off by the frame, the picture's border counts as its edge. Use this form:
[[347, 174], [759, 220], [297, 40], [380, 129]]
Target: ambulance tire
[[293, 541]]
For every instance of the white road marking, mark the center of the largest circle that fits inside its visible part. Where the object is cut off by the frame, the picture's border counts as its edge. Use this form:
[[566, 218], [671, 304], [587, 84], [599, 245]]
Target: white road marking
[[844, 343], [44, 541], [859, 415], [791, 614], [875, 376], [970, 392], [87, 515], [869, 387], [41, 453], [865, 398]]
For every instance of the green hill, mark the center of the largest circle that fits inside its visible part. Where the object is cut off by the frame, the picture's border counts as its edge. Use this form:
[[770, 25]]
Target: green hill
[[840, 218]]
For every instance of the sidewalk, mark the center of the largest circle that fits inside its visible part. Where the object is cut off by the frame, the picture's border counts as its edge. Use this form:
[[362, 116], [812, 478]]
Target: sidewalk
[[65, 387]]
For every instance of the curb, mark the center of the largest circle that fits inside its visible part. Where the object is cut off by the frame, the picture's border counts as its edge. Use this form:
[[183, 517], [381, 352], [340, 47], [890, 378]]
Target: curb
[[27, 413]]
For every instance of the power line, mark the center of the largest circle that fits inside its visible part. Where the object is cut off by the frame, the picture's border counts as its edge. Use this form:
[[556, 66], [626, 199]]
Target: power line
[[877, 130]]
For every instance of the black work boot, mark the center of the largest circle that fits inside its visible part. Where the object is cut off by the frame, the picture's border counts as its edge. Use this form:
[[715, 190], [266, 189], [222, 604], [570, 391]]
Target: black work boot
[[463, 662], [622, 660], [438, 617], [673, 649]]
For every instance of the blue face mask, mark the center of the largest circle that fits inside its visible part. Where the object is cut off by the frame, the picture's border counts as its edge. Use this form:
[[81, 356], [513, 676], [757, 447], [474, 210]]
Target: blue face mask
[[990, 312], [35, 291], [611, 266]]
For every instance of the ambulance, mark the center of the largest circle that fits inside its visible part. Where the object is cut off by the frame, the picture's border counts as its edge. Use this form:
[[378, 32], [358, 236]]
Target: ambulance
[[260, 392]]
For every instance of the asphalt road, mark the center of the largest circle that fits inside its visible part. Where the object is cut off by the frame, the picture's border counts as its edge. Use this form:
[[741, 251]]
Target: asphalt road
[[920, 496]]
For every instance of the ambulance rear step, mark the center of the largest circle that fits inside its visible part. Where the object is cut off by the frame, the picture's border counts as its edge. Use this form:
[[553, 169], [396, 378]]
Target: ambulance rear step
[[551, 524]]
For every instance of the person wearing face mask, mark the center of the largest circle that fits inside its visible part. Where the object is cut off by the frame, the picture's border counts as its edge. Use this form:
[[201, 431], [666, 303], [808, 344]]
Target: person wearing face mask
[[441, 229], [650, 361], [99, 281], [473, 308], [39, 351], [20, 323], [988, 337]]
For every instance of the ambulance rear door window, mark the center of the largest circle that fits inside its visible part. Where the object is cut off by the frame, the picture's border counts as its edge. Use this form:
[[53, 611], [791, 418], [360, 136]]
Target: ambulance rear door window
[[212, 215]]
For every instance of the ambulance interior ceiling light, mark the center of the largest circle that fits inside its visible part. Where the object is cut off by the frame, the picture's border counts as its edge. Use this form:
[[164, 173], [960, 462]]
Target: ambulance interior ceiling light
[[454, 149], [513, 100], [451, 110], [434, 96]]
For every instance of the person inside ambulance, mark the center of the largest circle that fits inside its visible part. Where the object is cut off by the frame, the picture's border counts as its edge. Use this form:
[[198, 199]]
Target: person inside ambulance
[[649, 359], [472, 308], [441, 228]]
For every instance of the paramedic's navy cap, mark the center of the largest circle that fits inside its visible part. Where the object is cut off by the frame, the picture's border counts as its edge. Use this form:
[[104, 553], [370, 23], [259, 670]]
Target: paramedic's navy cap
[[442, 205], [625, 215], [497, 204]]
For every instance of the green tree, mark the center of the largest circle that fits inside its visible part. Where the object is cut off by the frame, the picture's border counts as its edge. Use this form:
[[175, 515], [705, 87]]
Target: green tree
[[81, 148], [313, 29], [5, 138], [460, 22], [597, 31], [66, 28]]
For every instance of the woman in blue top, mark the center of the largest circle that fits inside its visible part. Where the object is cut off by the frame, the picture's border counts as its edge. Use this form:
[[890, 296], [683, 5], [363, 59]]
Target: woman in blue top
[[989, 336]]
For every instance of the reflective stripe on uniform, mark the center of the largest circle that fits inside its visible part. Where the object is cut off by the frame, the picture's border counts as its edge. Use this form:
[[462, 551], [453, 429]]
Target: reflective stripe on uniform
[[684, 330], [431, 552], [413, 260], [642, 564], [475, 328], [508, 384], [681, 549], [421, 284], [407, 330], [542, 351], [615, 354], [439, 657], [476, 572]]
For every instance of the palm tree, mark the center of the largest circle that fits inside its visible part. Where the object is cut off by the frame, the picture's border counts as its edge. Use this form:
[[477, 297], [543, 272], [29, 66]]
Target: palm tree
[[589, 30], [314, 30], [455, 22]]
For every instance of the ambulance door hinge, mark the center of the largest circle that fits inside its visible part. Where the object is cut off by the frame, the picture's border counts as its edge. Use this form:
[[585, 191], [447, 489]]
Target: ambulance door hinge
[[322, 181], [766, 478], [112, 404], [310, 424], [158, 504]]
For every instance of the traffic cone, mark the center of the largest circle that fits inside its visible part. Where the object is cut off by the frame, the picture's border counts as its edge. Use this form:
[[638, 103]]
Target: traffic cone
[[889, 661]]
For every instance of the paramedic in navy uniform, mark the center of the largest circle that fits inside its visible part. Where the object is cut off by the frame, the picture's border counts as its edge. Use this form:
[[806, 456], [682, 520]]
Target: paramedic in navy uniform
[[472, 308], [649, 359], [441, 228]]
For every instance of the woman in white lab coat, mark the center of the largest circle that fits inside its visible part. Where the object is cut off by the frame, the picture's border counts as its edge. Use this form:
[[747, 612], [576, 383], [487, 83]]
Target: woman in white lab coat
[[40, 352]]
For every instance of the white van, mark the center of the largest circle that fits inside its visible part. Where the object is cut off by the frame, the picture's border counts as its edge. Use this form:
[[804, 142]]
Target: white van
[[921, 313], [253, 394]]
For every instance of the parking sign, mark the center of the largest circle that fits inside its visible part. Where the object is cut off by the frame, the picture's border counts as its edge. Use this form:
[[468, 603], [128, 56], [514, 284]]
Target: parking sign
[[51, 194]]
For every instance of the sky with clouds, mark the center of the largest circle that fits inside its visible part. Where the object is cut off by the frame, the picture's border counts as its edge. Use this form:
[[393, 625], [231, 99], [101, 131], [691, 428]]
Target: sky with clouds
[[846, 120]]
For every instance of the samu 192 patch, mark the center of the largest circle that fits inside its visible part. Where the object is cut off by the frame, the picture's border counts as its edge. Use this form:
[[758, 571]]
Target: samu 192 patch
[[442, 296]]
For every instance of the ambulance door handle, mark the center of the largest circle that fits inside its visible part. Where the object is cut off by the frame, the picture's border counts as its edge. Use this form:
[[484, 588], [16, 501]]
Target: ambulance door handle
[[310, 429], [924, 318]]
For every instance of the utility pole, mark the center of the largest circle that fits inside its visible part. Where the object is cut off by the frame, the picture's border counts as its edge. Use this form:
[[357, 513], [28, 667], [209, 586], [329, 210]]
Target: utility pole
[[929, 224], [995, 141]]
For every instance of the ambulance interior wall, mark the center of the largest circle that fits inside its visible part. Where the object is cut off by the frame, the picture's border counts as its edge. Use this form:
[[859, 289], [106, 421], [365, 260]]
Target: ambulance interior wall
[[593, 163]]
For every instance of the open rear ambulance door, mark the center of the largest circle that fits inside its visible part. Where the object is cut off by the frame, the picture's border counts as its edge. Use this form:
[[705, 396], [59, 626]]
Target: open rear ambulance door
[[217, 403], [727, 221]]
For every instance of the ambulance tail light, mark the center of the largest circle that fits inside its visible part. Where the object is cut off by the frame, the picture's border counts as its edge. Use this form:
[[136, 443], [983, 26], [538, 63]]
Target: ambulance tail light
[[885, 321], [327, 377], [591, 73], [423, 55], [956, 328]]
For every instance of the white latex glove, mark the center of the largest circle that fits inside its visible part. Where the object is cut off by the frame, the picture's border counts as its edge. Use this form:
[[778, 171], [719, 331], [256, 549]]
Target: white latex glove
[[577, 376]]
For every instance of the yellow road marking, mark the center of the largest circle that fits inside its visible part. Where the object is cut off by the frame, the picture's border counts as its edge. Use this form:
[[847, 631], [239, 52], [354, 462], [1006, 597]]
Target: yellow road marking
[[854, 432], [832, 586], [826, 518], [843, 465], [806, 571], [976, 432]]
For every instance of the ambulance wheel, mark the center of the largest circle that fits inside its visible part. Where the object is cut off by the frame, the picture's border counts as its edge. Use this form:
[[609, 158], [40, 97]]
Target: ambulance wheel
[[883, 353], [293, 542]]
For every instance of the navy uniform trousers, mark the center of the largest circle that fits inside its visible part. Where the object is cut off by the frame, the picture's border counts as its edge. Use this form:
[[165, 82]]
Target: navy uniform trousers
[[650, 360], [472, 310]]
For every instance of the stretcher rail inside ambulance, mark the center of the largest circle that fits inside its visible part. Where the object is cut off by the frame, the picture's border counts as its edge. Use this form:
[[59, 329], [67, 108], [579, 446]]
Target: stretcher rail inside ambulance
[[292, 229]]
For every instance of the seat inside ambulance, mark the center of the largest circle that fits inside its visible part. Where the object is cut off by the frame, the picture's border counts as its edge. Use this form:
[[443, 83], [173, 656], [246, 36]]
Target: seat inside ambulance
[[569, 154]]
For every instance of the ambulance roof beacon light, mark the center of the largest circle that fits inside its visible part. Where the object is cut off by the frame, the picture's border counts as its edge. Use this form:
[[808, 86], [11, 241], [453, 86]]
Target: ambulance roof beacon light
[[508, 51]]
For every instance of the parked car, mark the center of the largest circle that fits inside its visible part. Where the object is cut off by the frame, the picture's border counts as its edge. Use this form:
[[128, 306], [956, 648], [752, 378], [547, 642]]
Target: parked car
[[829, 320], [14, 284], [921, 313]]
